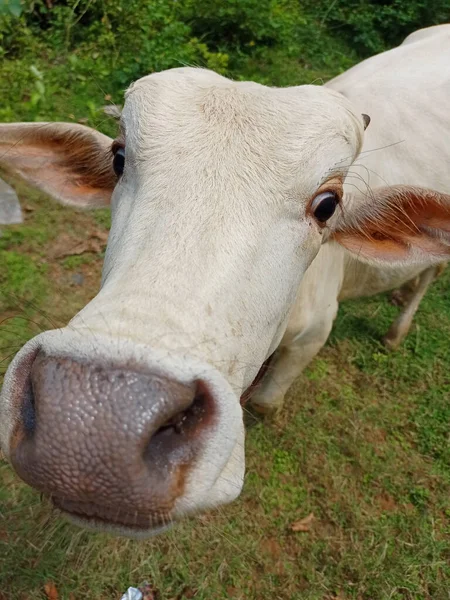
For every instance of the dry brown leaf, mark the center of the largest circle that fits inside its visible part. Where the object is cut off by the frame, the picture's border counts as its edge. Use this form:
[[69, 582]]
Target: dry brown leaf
[[387, 502], [67, 245], [304, 524], [50, 591], [271, 547], [94, 246], [188, 593], [63, 246], [100, 235]]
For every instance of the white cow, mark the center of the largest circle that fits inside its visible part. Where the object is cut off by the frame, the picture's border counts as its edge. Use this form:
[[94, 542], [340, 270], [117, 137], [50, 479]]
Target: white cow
[[405, 92], [223, 194]]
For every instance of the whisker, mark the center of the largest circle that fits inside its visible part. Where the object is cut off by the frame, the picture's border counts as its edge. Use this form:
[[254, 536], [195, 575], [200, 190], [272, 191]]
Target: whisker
[[382, 147]]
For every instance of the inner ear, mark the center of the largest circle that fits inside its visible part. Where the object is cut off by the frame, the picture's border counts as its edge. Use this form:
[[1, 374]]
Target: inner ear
[[398, 223], [70, 162]]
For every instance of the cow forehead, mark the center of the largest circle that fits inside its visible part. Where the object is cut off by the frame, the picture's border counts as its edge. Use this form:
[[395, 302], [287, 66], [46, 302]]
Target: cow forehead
[[198, 109]]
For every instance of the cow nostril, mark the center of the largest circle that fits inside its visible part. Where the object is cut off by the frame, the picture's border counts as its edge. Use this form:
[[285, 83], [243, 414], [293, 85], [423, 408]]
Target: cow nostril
[[191, 418], [29, 408], [184, 427]]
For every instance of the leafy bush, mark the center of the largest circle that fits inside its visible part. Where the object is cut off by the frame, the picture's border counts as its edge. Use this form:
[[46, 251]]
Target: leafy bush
[[241, 24], [372, 26], [64, 59]]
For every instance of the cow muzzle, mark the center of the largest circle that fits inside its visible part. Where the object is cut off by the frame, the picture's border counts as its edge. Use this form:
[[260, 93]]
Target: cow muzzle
[[109, 445]]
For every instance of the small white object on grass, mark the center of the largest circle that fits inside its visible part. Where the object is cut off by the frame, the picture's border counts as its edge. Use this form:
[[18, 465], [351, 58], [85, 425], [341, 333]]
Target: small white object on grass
[[10, 211], [132, 594]]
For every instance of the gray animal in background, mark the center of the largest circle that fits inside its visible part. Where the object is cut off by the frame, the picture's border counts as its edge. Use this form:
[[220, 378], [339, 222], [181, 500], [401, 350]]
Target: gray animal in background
[[10, 211]]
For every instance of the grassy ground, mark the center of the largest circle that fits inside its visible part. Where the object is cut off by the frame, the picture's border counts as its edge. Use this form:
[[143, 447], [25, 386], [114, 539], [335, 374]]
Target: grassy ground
[[362, 444]]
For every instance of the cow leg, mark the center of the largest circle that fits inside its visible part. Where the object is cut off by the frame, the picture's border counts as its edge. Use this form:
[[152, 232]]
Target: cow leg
[[402, 295], [400, 327], [287, 365]]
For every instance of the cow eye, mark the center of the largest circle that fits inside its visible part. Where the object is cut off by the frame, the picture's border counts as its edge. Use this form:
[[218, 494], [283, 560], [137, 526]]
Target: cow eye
[[324, 205], [119, 161]]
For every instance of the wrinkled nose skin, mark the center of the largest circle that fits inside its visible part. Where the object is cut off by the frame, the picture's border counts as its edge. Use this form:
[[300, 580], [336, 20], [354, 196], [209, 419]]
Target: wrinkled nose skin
[[109, 444]]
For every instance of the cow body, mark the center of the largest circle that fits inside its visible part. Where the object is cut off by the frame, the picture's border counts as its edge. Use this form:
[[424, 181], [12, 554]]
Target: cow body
[[405, 91], [239, 220]]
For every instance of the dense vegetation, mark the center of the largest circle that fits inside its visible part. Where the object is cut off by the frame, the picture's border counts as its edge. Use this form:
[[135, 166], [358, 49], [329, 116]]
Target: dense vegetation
[[61, 58], [360, 456]]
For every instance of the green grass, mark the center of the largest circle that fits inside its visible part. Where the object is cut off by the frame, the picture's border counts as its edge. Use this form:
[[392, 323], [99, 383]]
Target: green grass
[[362, 444]]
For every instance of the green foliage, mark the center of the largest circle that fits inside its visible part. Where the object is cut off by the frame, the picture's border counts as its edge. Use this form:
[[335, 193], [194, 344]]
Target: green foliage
[[64, 59], [73, 262], [238, 25], [11, 7], [372, 26]]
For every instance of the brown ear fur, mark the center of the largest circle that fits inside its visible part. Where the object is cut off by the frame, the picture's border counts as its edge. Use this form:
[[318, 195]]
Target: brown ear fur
[[398, 224], [68, 161]]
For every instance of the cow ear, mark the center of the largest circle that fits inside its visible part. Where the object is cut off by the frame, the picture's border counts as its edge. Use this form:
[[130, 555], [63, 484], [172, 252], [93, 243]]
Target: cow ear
[[397, 225], [70, 162]]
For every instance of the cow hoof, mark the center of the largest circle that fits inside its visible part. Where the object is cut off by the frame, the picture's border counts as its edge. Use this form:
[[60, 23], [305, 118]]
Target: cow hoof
[[267, 408]]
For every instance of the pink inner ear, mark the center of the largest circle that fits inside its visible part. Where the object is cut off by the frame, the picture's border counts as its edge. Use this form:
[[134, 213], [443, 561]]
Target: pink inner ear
[[392, 250], [388, 249], [437, 224], [64, 184], [401, 222], [71, 163]]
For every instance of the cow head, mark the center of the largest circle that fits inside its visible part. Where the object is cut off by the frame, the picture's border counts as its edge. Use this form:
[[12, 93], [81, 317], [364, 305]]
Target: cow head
[[221, 195]]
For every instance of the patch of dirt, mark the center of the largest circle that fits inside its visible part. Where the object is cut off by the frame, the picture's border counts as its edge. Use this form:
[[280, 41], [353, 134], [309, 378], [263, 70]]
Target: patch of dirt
[[272, 547], [69, 296], [186, 594], [386, 502], [69, 245]]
